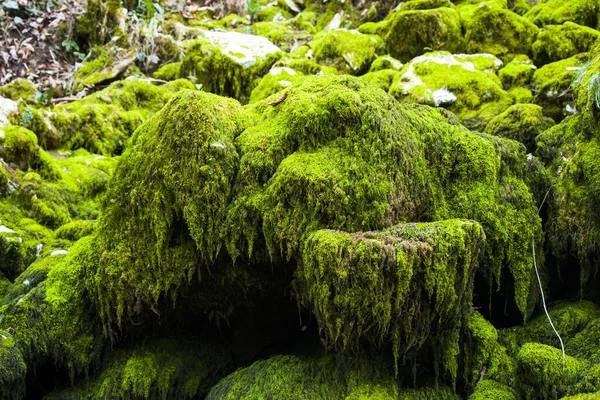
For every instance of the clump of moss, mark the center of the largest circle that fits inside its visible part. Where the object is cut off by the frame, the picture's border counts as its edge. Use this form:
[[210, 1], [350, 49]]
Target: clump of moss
[[157, 369], [385, 62], [522, 122], [541, 372], [554, 12], [12, 368], [500, 32], [558, 42], [19, 89], [103, 64], [383, 78], [75, 230], [491, 390], [553, 85], [348, 51], [408, 34], [229, 63], [309, 67], [280, 33], [102, 122], [272, 13], [465, 84], [12, 253], [308, 377], [168, 72], [277, 79], [517, 72], [19, 146], [102, 21]]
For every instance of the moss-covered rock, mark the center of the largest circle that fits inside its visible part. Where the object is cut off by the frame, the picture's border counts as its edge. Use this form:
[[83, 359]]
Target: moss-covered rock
[[558, 42], [491, 390], [553, 12], [348, 51], [19, 146], [228, 63], [276, 80], [500, 32], [157, 369], [465, 84], [19, 89], [383, 78], [522, 122], [517, 72], [552, 85], [103, 64], [101, 122], [385, 62], [168, 72], [75, 230], [408, 34], [542, 374]]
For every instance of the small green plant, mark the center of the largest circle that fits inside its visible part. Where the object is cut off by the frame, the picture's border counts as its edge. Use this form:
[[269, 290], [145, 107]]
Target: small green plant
[[72, 47]]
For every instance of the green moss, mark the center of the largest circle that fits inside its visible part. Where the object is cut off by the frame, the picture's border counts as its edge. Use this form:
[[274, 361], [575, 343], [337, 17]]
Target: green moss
[[168, 72], [499, 32], [517, 72], [157, 369], [465, 84], [553, 12], [19, 145], [308, 377], [12, 253], [19, 89], [583, 396], [280, 33], [385, 62], [484, 353], [553, 85], [100, 22], [541, 373], [272, 13], [522, 122], [410, 33], [492, 390], [583, 343], [103, 121], [424, 5], [467, 8], [520, 7], [349, 52], [12, 368], [382, 78], [225, 66], [558, 42], [75, 230], [276, 80], [309, 67]]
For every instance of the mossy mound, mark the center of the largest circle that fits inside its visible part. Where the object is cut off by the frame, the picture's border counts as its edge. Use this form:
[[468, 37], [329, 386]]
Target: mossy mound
[[272, 183], [500, 32], [465, 84], [554, 12], [103, 64], [408, 34], [19, 89], [522, 122], [385, 62], [517, 72], [491, 390], [349, 52], [383, 79], [558, 42], [542, 374], [158, 369], [101, 122], [276, 80], [228, 63], [553, 86]]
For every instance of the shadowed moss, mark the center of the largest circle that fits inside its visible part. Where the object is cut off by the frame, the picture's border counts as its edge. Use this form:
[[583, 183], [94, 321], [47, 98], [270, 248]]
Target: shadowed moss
[[522, 122], [499, 32], [157, 369], [557, 42], [75, 230], [491, 390]]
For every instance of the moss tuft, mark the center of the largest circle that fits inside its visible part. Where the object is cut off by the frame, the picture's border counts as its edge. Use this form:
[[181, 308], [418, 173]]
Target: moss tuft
[[558, 42], [492, 390], [554, 12], [19, 89], [517, 72]]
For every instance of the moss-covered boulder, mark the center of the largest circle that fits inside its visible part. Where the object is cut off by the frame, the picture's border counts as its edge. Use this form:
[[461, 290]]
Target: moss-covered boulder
[[349, 52], [385, 62], [228, 63], [552, 85], [101, 122], [103, 64], [276, 80], [522, 122], [19, 89], [558, 42], [465, 84], [491, 390], [411, 33], [554, 12], [383, 78], [500, 32], [517, 73], [542, 374]]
